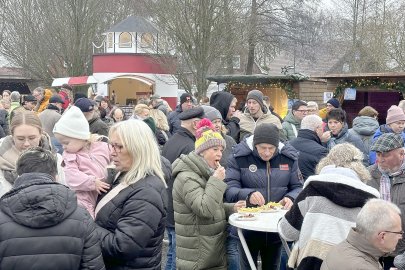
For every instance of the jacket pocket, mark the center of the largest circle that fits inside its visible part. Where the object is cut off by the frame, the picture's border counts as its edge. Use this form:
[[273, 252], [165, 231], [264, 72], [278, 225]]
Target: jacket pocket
[[212, 251]]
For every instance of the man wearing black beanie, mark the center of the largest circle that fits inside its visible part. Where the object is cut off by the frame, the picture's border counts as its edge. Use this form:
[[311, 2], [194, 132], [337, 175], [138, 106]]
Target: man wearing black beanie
[[186, 103], [261, 169]]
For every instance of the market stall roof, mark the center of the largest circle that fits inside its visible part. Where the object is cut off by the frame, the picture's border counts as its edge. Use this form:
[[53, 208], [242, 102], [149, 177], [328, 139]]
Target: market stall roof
[[258, 78], [143, 79], [362, 75], [81, 80]]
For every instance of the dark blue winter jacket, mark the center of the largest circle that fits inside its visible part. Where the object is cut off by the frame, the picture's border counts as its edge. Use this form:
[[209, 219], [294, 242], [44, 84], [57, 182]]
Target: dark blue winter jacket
[[173, 120], [276, 179]]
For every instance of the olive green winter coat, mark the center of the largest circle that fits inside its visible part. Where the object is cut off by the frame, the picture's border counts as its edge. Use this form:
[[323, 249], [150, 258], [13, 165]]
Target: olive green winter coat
[[288, 126], [200, 215]]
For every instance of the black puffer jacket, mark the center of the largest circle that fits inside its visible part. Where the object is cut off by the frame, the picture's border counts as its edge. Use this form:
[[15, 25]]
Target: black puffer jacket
[[173, 120], [41, 227], [132, 224], [180, 143], [310, 151]]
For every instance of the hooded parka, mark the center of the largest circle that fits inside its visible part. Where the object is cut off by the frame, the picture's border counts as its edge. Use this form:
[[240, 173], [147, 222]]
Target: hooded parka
[[200, 215], [42, 227]]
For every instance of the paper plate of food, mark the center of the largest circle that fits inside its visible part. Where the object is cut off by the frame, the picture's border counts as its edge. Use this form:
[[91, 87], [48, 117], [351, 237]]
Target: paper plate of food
[[246, 217], [247, 210], [271, 207]]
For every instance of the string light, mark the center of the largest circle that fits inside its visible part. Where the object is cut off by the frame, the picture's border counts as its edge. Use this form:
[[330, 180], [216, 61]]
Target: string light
[[286, 86], [385, 85]]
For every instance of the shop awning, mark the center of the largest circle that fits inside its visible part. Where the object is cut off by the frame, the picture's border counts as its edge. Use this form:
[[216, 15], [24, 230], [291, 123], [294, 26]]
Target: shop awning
[[143, 79], [81, 80]]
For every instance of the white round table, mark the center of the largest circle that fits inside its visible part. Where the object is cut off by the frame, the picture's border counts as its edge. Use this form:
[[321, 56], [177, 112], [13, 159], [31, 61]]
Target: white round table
[[266, 222]]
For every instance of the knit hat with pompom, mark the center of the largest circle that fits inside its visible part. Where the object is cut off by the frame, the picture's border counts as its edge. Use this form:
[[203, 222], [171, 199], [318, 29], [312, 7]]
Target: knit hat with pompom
[[206, 137]]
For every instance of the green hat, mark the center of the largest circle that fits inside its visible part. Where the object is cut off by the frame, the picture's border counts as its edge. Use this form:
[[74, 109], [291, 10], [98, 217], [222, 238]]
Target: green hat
[[151, 123]]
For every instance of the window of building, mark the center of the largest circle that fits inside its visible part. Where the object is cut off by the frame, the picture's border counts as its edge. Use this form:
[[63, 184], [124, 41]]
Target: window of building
[[146, 40], [125, 40], [110, 41]]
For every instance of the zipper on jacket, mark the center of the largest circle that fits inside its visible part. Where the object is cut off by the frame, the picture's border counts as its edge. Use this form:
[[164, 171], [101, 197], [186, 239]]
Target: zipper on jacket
[[268, 172]]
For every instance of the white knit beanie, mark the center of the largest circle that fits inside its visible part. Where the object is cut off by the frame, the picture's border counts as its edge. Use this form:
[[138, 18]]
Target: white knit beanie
[[73, 124]]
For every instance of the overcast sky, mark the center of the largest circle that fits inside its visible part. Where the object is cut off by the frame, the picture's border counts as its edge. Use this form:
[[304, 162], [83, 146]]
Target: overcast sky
[[3, 61]]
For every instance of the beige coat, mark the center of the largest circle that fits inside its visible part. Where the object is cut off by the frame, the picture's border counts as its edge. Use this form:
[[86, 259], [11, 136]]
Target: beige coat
[[355, 253], [247, 124]]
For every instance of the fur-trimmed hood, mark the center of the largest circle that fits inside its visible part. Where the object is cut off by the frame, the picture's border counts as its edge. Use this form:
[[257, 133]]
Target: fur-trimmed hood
[[341, 185]]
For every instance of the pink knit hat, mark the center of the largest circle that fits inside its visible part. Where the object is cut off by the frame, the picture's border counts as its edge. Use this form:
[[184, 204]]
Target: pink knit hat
[[394, 114]]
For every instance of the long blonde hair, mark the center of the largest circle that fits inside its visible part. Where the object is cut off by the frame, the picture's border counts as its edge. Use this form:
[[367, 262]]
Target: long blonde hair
[[160, 119], [137, 138]]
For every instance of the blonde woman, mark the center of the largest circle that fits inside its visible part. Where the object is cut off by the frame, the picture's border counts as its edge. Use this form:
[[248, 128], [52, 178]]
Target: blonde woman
[[162, 126], [141, 111], [26, 132], [327, 207], [131, 217]]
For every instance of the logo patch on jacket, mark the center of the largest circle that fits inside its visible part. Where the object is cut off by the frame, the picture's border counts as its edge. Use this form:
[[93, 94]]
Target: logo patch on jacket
[[284, 167], [253, 168]]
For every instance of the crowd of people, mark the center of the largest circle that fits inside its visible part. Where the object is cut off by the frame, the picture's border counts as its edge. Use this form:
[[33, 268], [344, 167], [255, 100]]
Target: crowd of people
[[85, 186]]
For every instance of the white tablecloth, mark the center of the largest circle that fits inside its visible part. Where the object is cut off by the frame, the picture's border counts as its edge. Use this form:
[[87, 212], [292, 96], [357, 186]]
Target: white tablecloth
[[265, 222]]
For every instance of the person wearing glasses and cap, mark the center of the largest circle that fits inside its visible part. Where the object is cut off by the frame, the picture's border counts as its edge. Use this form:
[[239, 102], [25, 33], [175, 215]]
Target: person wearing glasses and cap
[[377, 231], [388, 176]]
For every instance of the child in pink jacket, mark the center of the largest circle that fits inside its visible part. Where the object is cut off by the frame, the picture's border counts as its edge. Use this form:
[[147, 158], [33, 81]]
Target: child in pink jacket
[[85, 159]]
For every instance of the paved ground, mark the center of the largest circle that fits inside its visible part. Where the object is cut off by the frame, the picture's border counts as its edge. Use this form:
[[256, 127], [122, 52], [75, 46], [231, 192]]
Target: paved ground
[[164, 251]]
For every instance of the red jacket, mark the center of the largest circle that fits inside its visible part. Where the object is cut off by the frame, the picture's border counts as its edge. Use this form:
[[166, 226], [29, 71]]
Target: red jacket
[[65, 98]]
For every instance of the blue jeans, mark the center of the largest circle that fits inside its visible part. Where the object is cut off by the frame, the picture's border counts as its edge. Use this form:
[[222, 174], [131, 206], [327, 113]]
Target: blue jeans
[[171, 251], [284, 257], [233, 253]]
